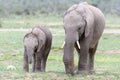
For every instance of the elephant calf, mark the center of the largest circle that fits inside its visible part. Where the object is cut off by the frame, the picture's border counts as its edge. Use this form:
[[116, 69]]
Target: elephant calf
[[84, 25], [37, 45]]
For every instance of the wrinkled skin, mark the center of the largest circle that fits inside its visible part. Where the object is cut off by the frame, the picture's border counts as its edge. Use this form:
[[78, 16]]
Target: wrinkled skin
[[37, 45], [85, 24]]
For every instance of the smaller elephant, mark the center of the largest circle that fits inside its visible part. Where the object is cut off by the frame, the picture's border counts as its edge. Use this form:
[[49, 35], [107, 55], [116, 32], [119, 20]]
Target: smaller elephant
[[37, 45]]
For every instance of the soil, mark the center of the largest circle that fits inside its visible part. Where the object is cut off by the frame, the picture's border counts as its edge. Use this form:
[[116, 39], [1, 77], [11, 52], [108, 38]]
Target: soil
[[107, 31]]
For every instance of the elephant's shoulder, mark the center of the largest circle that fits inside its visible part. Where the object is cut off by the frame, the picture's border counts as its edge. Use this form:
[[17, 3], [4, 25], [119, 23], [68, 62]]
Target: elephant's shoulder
[[38, 32]]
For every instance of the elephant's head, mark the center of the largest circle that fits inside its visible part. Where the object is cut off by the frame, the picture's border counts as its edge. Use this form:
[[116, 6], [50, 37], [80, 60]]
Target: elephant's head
[[78, 21], [30, 44]]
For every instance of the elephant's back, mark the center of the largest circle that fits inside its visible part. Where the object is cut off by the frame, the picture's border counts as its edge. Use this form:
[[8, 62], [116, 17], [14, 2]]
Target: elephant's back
[[99, 20], [99, 24], [46, 31], [48, 36], [98, 15]]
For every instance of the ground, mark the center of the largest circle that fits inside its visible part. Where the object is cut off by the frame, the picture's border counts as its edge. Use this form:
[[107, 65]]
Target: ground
[[107, 58]]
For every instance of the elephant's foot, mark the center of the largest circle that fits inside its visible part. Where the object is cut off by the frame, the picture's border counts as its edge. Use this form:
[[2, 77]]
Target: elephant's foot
[[33, 70], [82, 72], [42, 70], [26, 70], [70, 72], [69, 69], [37, 70], [92, 71]]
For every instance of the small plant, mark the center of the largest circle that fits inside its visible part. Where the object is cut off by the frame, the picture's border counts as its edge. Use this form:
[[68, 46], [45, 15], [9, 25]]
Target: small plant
[[0, 23], [5, 57]]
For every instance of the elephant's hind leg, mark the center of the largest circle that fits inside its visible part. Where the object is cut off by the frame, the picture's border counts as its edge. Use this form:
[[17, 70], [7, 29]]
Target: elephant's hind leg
[[91, 59], [34, 61], [44, 57], [43, 63], [38, 63], [44, 60]]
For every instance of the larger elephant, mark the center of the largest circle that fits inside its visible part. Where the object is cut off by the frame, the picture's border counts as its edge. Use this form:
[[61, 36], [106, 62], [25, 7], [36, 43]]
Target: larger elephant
[[37, 45], [84, 25]]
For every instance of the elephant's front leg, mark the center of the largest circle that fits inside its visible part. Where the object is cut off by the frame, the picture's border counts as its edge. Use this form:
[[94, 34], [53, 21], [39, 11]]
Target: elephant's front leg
[[26, 65], [38, 63], [91, 59], [83, 59]]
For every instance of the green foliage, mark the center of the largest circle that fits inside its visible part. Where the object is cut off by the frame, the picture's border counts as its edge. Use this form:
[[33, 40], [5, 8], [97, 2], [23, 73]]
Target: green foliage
[[30, 21], [11, 51], [52, 21], [33, 7], [109, 42], [106, 63], [0, 23], [5, 57]]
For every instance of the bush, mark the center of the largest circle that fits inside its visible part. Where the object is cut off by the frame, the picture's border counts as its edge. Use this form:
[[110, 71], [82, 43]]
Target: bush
[[28, 7], [0, 23]]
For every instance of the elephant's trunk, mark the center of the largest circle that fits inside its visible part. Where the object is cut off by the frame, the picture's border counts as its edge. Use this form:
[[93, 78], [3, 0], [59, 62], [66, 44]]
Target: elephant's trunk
[[30, 56], [68, 58], [70, 40], [29, 59]]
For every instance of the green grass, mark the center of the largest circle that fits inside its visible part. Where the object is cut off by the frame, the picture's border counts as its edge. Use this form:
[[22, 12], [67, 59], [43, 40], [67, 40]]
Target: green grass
[[112, 21], [109, 42], [12, 42], [107, 59], [106, 65], [30, 21], [11, 53]]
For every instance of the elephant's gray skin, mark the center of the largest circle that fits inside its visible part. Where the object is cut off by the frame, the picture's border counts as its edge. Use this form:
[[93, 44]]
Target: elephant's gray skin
[[83, 24], [37, 45]]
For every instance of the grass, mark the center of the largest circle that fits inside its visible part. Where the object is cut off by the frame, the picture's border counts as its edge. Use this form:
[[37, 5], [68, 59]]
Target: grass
[[107, 59], [109, 42], [103, 64], [12, 42], [30, 21], [11, 53], [112, 21]]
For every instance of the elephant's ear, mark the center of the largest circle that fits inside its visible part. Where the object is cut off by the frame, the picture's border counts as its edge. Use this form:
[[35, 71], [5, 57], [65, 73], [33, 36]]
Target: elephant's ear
[[41, 38], [89, 19], [71, 9], [87, 15], [40, 43]]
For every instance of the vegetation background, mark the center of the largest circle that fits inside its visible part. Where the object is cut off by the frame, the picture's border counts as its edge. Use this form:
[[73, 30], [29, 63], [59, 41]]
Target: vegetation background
[[36, 7]]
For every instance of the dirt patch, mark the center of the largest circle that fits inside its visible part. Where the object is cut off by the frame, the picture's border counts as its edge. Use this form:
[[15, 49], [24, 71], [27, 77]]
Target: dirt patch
[[109, 51], [106, 31], [98, 51]]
